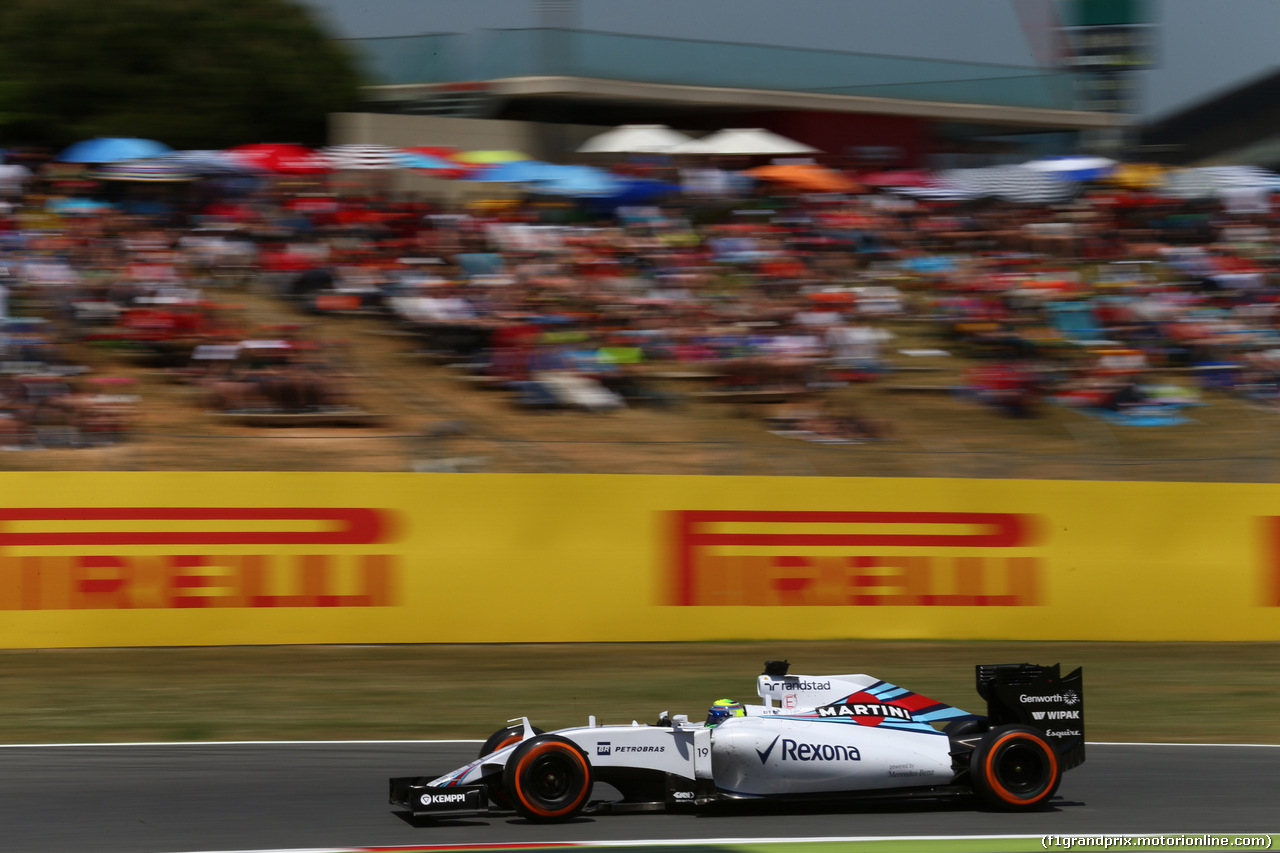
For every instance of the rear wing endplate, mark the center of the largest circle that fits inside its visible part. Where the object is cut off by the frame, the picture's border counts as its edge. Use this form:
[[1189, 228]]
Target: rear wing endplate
[[1040, 697]]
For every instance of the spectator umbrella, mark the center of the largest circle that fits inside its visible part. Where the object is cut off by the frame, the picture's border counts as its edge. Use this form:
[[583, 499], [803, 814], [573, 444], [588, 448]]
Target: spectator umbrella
[[109, 149], [744, 141], [635, 139], [283, 158]]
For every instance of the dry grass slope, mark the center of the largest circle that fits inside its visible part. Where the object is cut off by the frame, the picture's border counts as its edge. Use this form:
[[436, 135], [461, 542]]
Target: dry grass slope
[[433, 420]]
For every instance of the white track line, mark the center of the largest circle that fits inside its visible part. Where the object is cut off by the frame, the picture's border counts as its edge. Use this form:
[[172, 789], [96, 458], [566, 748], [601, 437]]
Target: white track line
[[242, 743]]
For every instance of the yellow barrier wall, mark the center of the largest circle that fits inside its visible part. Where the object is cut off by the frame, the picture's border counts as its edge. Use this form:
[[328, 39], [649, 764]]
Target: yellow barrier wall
[[135, 559]]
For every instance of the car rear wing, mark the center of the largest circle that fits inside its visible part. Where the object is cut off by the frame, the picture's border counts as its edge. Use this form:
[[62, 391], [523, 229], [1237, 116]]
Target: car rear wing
[[1040, 697]]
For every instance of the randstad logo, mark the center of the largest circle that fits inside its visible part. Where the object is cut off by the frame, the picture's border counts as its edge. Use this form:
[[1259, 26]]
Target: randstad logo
[[311, 563]]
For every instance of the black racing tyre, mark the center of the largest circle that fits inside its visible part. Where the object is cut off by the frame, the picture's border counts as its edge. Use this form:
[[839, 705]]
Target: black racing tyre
[[548, 779], [1015, 769], [501, 739]]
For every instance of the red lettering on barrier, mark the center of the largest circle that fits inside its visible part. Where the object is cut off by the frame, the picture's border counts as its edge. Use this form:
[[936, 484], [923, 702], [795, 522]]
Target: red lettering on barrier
[[195, 581], [1271, 569], [716, 566], [100, 583], [346, 526]]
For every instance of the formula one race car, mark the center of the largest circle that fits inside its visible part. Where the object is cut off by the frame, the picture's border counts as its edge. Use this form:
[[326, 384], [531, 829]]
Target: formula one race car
[[816, 737]]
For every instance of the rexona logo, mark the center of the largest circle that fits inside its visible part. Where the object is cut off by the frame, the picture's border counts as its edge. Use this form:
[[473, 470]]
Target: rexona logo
[[912, 559], [121, 558], [799, 751]]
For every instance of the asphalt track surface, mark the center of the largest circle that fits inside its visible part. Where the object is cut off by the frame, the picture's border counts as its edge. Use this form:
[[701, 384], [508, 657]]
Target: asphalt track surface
[[201, 797]]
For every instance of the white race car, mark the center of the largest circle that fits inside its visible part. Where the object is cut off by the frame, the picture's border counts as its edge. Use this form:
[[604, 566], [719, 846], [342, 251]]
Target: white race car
[[815, 737]]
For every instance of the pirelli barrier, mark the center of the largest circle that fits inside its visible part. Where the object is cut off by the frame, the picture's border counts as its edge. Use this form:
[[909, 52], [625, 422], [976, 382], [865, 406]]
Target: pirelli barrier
[[134, 559]]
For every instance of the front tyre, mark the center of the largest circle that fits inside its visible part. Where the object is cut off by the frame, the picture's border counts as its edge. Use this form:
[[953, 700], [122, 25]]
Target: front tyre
[[1014, 768], [501, 739], [547, 779]]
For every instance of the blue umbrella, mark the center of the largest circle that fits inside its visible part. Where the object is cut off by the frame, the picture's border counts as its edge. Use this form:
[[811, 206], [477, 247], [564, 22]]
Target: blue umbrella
[[580, 182], [417, 160], [109, 149], [516, 172]]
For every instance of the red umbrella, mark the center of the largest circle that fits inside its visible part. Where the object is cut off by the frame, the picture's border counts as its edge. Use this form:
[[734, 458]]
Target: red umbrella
[[284, 158]]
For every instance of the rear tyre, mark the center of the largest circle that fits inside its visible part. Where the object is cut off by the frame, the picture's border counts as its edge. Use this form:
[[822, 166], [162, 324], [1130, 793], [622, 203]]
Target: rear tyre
[[548, 779], [501, 739], [1015, 769]]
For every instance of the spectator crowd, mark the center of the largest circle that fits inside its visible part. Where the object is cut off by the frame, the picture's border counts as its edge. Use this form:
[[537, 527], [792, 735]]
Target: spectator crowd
[[1120, 300]]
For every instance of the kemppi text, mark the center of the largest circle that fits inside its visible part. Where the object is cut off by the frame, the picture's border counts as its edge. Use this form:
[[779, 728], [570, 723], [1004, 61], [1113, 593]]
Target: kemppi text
[[97, 577], [780, 558]]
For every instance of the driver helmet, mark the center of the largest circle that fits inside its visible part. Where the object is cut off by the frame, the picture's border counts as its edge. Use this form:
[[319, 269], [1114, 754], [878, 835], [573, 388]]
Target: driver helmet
[[723, 709]]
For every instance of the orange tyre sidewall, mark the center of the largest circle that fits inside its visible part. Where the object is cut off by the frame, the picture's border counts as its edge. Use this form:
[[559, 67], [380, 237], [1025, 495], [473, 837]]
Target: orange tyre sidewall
[[506, 742], [993, 781], [532, 754]]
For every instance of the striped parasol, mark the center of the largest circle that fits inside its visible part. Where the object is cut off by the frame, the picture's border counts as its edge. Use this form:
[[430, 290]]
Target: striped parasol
[[209, 163], [1080, 167], [365, 157], [1218, 181], [1011, 183], [937, 188], [146, 171]]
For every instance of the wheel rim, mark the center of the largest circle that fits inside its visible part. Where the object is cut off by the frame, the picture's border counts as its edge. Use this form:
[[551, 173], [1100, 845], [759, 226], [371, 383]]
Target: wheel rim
[[1021, 769], [550, 778]]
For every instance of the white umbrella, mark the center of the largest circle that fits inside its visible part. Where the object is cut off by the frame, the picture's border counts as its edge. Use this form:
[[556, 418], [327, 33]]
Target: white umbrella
[[635, 139], [745, 141]]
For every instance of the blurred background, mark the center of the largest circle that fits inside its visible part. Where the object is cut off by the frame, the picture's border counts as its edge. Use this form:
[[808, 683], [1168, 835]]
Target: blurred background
[[992, 240], [554, 237]]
